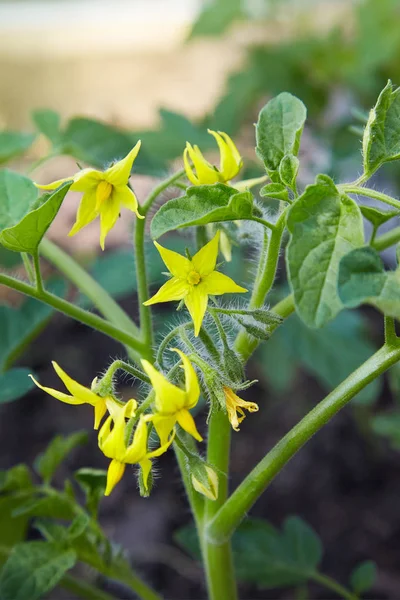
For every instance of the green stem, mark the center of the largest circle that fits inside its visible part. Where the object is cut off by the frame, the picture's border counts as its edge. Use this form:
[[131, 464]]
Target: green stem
[[83, 589], [28, 267], [267, 224], [88, 286], [107, 379], [369, 193], [236, 507], [390, 331], [386, 240], [333, 585], [38, 274], [167, 339], [69, 309], [146, 326], [196, 501], [218, 557], [159, 189]]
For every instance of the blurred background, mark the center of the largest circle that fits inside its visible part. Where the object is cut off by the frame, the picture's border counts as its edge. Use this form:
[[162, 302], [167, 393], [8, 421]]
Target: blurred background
[[164, 71]]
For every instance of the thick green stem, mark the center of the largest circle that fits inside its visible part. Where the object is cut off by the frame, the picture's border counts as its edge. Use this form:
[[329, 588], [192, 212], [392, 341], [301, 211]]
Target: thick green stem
[[235, 508], [88, 286], [333, 585], [369, 193], [386, 240], [38, 273], [76, 313], [218, 557]]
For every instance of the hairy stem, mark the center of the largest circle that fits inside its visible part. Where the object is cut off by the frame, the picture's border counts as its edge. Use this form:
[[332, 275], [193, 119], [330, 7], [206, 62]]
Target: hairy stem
[[386, 240], [73, 311], [38, 273], [235, 508], [146, 326], [369, 193]]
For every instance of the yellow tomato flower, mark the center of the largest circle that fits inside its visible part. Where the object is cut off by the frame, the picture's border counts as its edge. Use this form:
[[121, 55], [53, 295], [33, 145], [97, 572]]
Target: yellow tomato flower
[[104, 192], [112, 444], [204, 173], [80, 395], [235, 406], [194, 280], [173, 403]]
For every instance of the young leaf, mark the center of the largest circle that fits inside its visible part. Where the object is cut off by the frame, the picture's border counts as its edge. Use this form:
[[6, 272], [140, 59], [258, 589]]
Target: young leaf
[[13, 143], [14, 384], [200, 205], [46, 464], [17, 195], [33, 569], [16, 479], [26, 235], [277, 191], [324, 226], [48, 122], [279, 128], [216, 17], [363, 577], [93, 482], [381, 142], [377, 216], [362, 279], [288, 169]]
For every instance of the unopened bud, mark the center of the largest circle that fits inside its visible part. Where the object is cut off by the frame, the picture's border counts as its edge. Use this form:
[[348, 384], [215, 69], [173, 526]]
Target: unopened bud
[[145, 485], [204, 478]]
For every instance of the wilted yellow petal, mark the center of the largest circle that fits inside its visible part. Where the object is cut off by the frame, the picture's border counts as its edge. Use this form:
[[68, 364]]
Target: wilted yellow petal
[[115, 472], [205, 259], [119, 173], [187, 423], [173, 289], [86, 212], [169, 397], [56, 394], [196, 302], [218, 283], [127, 198], [108, 217], [176, 264], [191, 380], [235, 406], [76, 389]]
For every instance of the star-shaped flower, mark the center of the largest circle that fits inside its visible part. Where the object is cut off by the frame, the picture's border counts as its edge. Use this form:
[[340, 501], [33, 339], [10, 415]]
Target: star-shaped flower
[[204, 173], [193, 280]]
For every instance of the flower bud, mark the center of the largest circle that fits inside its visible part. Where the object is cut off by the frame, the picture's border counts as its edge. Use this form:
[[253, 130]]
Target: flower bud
[[204, 478]]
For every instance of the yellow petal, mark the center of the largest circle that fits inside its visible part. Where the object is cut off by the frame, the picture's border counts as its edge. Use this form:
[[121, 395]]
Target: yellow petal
[[169, 398], [206, 174], [128, 199], [231, 161], [176, 264], [108, 217], [187, 423], [82, 181], [54, 185], [191, 380], [115, 472], [246, 184], [188, 168], [137, 449], [56, 394], [86, 212], [114, 407], [119, 173], [173, 289], [100, 410], [163, 448], [225, 246], [196, 303], [217, 283], [76, 389], [163, 425], [205, 259]]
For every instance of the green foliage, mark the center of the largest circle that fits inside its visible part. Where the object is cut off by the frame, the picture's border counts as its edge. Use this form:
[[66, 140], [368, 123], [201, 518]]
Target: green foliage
[[93, 482], [278, 132], [363, 577], [26, 234], [324, 226], [14, 384], [377, 216], [277, 191], [33, 569], [17, 196], [48, 123], [363, 279], [200, 205], [13, 143], [316, 350], [216, 17], [381, 142], [47, 463]]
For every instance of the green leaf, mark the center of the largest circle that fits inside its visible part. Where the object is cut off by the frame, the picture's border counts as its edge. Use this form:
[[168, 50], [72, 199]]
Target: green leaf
[[55, 506], [216, 17], [17, 195], [19, 326], [26, 235], [324, 226], [16, 479], [99, 145], [388, 425], [33, 569], [277, 191], [279, 128], [363, 280], [200, 205], [93, 482], [48, 122], [381, 142], [363, 577], [47, 463], [13, 529], [13, 143], [14, 384], [288, 169], [377, 216]]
